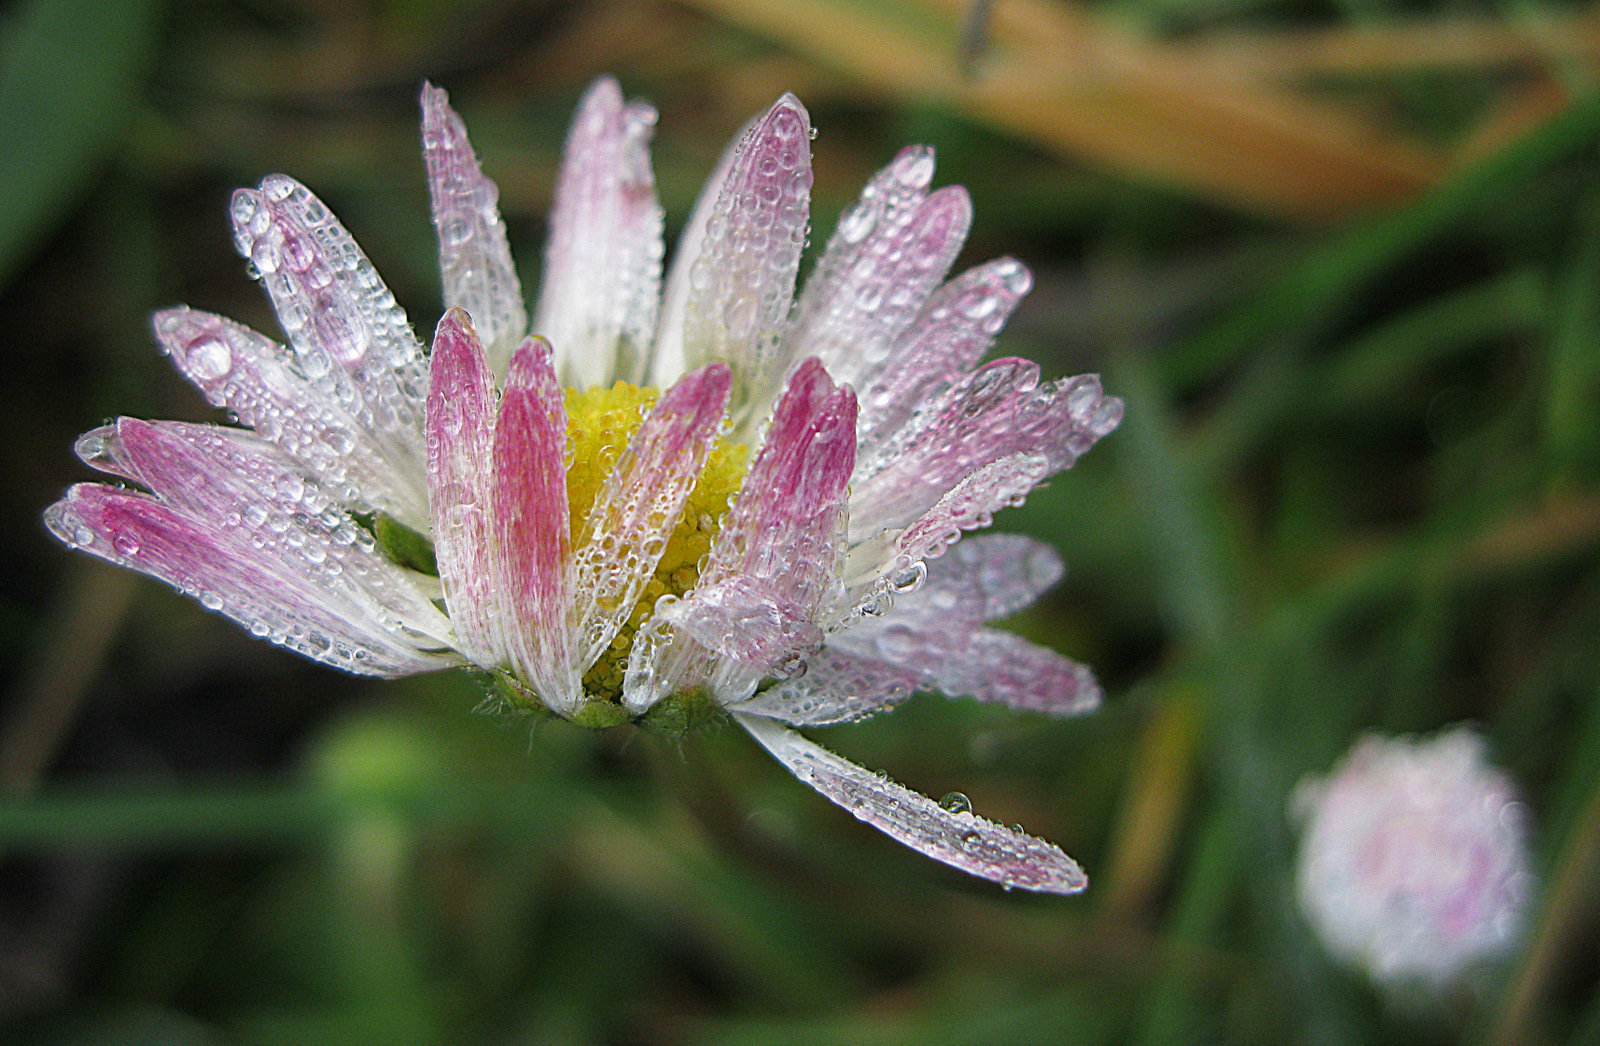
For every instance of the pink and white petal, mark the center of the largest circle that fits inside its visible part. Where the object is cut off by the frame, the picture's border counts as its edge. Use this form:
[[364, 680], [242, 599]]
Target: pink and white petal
[[350, 336], [474, 256], [271, 595], [1005, 669], [724, 638], [954, 329], [668, 355], [782, 540], [640, 503], [995, 575], [972, 503], [836, 687], [207, 471], [602, 275], [960, 839], [246, 488], [952, 656], [996, 411], [784, 529], [460, 439], [532, 528], [951, 413], [263, 385], [742, 283], [742, 619], [889, 558], [887, 256]]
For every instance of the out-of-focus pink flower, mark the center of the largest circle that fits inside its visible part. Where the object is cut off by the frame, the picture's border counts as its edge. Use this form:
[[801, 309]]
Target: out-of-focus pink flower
[[1413, 863], [761, 536]]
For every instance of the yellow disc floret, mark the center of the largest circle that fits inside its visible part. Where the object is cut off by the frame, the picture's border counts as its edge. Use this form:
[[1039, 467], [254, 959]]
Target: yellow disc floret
[[600, 421]]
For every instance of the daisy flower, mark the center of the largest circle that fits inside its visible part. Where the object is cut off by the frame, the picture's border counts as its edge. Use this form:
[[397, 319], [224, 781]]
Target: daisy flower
[[1414, 862], [670, 500]]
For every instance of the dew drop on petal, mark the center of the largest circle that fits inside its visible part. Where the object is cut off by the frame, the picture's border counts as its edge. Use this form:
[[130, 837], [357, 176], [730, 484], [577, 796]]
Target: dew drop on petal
[[979, 304], [208, 359], [914, 168], [910, 579], [859, 220], [956, 803]]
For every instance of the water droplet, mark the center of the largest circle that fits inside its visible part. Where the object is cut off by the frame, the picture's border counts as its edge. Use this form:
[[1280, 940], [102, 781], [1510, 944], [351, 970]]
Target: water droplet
[[1016, 277], [1106, 416], [125, 544], [277, 187], [859, 220], [910, 579], [979, 303], [956, 803], [266, 257], [878, 605], [792, 666], [290, 486], [1082, 395], [208, 359], [913, 168]]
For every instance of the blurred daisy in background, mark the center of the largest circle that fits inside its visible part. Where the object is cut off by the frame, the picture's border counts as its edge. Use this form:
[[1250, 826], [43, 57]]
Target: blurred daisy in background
[[1413, 862]]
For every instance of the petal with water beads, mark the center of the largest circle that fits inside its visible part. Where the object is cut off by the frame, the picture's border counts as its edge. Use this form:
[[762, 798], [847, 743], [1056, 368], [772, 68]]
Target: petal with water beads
[[949, 336], [784, 528], [349, 335], [267, 593], [887, 255], [996, 411], [461, 420], [742, 282], [640, 503], [246, 489], [602, 274], [958, 838], [262, 384], [773, 564], [835, 687], [532, 533], [474, 257]]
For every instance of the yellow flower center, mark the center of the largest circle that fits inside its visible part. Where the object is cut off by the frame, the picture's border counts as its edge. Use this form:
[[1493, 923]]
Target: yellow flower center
[[600, 421]]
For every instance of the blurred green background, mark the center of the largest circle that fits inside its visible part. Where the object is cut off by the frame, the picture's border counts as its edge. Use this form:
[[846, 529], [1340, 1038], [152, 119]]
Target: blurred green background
[[1340, 257]]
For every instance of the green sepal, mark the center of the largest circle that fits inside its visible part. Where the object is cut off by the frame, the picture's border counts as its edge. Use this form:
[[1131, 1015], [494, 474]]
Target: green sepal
[[595, 713], [599, 715], [682, 714], [404, 545], [516, 695]]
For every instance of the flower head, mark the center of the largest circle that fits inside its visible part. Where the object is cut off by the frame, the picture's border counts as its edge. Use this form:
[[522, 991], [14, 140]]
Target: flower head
[[674, 497], [1413, 865]]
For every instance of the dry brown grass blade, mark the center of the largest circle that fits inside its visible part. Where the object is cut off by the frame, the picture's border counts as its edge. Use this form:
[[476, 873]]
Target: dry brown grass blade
[[1512, 117], [1158, 797], [1397, 48], [1088, 91]]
